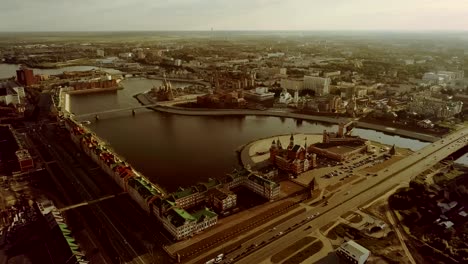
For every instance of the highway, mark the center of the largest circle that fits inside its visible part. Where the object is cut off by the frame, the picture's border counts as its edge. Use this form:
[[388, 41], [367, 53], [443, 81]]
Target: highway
[[399, 173]]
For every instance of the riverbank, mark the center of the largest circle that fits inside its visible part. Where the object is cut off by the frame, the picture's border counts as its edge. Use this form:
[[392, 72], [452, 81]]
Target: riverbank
[[281, 113]]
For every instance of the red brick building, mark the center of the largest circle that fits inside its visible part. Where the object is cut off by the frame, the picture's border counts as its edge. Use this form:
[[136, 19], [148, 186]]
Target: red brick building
[[25, 77], [294, 158]]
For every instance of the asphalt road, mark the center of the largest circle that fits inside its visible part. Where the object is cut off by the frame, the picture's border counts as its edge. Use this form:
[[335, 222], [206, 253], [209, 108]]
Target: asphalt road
[[349, 199]]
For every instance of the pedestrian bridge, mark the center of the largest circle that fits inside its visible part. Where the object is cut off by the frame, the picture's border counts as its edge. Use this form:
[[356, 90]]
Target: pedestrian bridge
[[128, 109]]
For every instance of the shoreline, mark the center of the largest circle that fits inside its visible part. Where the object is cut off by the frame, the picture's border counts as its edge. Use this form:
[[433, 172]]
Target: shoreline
[[247, 112]]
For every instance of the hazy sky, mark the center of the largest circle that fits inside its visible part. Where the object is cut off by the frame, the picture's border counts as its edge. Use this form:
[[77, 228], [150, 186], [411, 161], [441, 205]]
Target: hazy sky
[[87, 15]]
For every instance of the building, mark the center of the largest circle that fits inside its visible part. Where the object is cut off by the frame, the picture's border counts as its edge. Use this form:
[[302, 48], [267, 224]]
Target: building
[[285, 97], [256, 183], [292, 84], [317, 84], [294, 158], [140, 55], [431, 107], [341, 145], [100, 53], [25, 160], [352, 252], [11, 92], [259, 94], [177, 62], [25, 77], [331, 74], [222, 199]]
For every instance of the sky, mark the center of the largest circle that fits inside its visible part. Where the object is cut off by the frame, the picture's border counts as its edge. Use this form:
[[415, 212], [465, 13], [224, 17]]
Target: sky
[[142, 15]]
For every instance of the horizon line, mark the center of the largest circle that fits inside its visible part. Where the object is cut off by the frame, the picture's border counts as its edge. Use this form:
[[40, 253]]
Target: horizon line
[[239, 30]]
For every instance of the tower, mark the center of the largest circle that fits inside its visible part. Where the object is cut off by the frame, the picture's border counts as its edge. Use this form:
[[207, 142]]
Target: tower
[[278, 144], [291, 141], [273, 152]]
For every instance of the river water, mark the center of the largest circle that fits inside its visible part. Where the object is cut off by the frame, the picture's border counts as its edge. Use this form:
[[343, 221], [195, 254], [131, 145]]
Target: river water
[[174, 150]]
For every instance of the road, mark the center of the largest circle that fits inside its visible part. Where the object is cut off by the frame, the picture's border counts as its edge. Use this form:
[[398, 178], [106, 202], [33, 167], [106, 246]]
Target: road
[[351, 198]]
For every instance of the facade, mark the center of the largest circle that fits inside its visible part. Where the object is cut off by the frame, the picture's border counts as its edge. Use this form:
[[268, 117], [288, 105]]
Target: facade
[[352, 252], [222, 199], [294, 158], [259, 94], [317, 84], [25, 77]]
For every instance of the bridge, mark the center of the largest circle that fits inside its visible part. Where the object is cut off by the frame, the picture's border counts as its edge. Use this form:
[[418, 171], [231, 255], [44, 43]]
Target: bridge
[[187, 99], [96, 114]]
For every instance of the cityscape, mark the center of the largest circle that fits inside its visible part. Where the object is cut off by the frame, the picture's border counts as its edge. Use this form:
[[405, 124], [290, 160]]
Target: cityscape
[[231, 145]]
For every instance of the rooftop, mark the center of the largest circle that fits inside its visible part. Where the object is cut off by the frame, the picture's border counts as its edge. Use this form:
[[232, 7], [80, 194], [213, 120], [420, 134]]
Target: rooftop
[[354, 249]]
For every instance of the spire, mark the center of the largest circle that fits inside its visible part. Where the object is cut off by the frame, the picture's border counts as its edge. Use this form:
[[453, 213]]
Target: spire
[[305, 143]]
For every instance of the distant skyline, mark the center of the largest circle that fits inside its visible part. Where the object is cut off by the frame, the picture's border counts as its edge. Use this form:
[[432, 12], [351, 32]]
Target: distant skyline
[[147, 15]]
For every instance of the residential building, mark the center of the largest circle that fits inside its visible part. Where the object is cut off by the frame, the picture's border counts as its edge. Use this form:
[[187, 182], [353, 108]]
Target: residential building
[[264, 187], [222, 199], [317, 84], [352, 252]]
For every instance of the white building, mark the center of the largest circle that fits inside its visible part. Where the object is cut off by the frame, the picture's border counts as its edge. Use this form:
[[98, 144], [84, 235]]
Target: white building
[[317, 84], [352, 252], [259, 94], [285, 97], [11, 93], [178, 62]]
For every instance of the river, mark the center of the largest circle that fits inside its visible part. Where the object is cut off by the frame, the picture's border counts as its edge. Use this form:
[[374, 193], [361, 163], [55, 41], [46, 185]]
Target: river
[[175, 150]]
